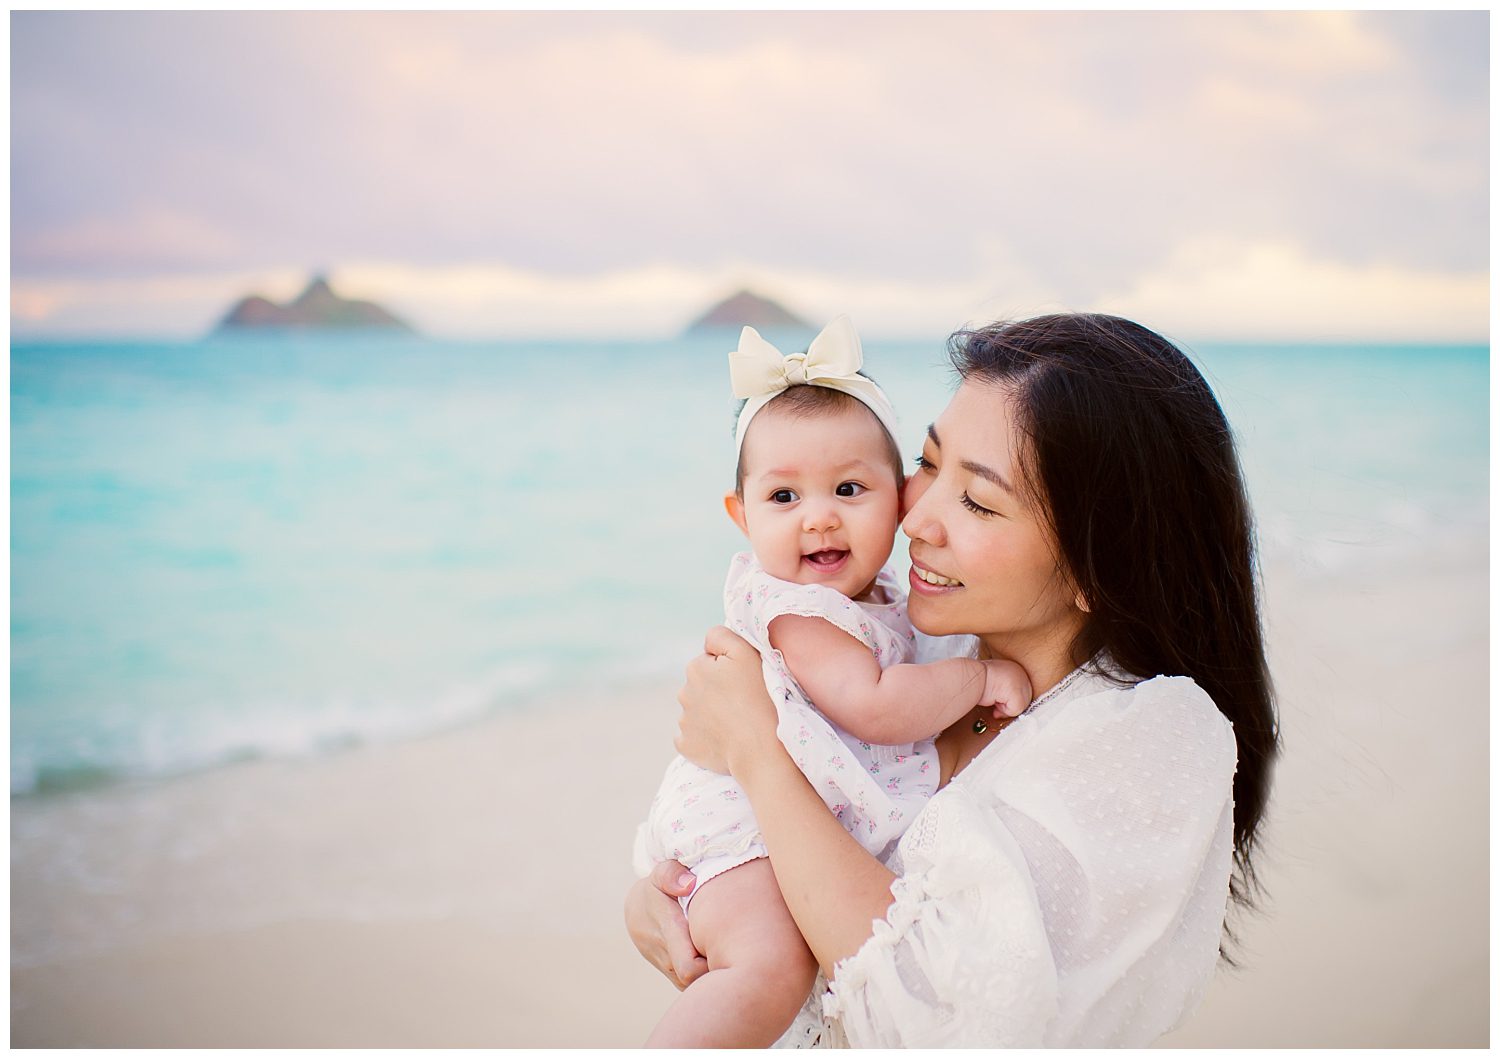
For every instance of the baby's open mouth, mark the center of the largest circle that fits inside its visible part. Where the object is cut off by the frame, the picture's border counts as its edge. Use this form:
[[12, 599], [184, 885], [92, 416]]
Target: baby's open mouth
[[826, 559]]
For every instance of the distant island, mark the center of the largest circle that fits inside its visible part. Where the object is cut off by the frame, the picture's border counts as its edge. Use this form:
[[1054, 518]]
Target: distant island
[[746, 309], [316, 308]]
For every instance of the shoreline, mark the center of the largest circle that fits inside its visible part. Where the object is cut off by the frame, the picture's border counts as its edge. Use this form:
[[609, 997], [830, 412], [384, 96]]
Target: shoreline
[[411, 893], [463, 888], [1335, 573]]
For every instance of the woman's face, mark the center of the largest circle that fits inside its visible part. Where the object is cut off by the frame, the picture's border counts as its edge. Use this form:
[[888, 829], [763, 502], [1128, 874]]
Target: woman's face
[[983, 559]]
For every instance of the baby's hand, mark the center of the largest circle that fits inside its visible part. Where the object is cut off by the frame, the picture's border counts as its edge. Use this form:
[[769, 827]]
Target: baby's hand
[[1006, 688]]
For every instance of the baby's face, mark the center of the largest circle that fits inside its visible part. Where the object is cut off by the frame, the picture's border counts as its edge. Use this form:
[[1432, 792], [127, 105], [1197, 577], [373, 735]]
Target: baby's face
[[821, 500]]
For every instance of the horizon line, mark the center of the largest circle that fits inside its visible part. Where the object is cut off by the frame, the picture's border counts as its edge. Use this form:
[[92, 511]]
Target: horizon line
[[639, 338]]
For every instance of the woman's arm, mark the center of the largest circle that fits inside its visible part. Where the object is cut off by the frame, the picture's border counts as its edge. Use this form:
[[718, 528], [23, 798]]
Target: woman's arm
[[833, 887]]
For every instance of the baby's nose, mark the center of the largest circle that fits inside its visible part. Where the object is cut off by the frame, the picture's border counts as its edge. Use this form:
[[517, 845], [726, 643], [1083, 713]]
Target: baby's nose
[[821, 519]]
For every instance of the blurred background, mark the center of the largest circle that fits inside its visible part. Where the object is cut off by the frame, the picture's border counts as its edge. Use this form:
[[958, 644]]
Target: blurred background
[[369, 419]]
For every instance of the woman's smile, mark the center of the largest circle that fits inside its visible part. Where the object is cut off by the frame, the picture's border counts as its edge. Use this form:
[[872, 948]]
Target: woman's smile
[[930, 582]]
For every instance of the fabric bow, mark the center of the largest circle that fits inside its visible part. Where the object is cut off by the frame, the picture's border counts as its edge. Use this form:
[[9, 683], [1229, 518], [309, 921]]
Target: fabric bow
[[758, 367], [758, 372]]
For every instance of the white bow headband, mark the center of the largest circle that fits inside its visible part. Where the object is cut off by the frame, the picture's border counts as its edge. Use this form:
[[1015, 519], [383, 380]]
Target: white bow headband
[[759, 373]]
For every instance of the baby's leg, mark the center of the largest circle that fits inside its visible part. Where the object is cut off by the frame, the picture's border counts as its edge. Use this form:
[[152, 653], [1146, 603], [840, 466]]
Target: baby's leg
[[759, 968]]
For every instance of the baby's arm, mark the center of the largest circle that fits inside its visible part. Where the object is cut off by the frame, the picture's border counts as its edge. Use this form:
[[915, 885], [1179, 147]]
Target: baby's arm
[[898, 704]]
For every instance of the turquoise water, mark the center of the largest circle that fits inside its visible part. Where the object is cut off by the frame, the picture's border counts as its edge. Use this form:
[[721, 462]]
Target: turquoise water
[[272, 547]]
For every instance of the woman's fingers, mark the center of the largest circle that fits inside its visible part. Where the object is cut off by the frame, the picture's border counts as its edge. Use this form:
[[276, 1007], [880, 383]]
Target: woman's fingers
[[721, 641], [678, 958], [659, 931], [672, 878], [718, 685], [687, 962]]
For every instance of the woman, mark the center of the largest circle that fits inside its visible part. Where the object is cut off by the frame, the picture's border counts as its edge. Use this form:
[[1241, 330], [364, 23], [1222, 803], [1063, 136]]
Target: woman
[[1078, 508]]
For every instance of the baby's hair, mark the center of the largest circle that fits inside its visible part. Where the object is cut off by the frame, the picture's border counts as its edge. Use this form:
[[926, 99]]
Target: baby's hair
[[810, 402]]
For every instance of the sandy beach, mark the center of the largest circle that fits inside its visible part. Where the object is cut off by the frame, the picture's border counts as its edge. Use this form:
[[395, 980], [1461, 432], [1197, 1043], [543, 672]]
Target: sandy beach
[[465, 889]]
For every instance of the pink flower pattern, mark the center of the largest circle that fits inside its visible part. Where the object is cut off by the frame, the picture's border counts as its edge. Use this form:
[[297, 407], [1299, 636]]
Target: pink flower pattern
[[872, 791]]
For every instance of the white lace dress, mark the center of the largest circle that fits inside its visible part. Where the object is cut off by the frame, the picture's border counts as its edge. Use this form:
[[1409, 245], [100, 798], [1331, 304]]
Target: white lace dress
[[1067, 888]]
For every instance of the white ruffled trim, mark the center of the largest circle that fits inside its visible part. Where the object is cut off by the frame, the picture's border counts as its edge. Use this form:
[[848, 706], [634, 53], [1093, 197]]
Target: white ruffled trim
[[853, 972], [743, 843]]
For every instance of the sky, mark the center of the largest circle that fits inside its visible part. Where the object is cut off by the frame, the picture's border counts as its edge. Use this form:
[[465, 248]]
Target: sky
[[1215, 175]]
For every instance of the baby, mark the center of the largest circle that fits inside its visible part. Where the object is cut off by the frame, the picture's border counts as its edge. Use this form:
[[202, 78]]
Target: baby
[[818, 494]]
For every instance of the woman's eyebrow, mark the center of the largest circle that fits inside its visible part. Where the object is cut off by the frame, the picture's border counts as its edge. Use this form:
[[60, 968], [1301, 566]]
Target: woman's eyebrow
[[987, 474], [975, 468]]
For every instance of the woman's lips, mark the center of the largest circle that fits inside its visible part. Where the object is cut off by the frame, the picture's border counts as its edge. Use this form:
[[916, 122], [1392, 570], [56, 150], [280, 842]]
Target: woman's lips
[[920, 584], [830, 561]]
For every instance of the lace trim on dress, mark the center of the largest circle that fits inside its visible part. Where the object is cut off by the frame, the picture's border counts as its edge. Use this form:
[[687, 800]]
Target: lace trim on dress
[[808, 1030], [742, 843]]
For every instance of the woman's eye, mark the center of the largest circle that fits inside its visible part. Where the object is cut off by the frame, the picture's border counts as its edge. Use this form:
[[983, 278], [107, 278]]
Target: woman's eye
[[924, 464], [783, 496], [849, 489], [979, 509]]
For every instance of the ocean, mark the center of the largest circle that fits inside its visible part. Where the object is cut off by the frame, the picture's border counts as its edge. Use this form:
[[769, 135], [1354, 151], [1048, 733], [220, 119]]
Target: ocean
[[284, 546]]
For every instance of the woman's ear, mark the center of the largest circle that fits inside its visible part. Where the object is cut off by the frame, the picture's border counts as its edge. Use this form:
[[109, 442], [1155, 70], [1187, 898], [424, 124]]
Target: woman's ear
[[736, 509], [1081, 603]]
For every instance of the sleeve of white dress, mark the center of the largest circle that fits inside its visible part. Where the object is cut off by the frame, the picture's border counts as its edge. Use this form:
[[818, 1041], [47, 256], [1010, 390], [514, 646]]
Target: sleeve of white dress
[[1067, 889]]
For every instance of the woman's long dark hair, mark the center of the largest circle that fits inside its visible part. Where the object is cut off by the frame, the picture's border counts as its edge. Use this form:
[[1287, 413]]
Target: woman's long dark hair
[[1129, 454]]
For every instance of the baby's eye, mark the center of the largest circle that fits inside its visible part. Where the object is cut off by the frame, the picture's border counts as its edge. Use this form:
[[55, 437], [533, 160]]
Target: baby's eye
[[783, 496], [849, 489]]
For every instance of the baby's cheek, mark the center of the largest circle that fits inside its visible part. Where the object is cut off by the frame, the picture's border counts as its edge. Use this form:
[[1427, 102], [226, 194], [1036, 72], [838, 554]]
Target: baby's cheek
[[910, 494]]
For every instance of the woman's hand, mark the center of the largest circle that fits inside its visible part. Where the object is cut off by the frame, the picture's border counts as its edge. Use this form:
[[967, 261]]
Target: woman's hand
[[657, 926], [725, 707]]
